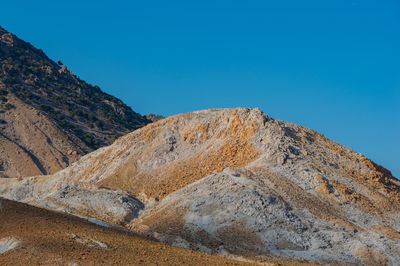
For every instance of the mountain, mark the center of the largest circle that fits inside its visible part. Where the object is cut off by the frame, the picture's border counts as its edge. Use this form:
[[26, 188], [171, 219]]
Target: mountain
[[154, 117], [233, 181], [48, 116], [33, 236]]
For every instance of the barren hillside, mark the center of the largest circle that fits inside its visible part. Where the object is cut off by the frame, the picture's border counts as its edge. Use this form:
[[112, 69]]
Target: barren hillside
[[233, 181], [33, 236], [48, 116]]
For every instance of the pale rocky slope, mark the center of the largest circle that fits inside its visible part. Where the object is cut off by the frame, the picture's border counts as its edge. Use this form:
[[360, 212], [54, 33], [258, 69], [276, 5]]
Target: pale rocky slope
[[233, 181]]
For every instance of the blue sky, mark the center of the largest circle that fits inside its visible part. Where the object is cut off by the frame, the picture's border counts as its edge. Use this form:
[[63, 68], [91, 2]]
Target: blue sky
[[333, 66]]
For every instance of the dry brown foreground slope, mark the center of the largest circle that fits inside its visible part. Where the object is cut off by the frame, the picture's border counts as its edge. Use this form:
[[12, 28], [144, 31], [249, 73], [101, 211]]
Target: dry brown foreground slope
[[34, 236], [233, 181], [49, 117]]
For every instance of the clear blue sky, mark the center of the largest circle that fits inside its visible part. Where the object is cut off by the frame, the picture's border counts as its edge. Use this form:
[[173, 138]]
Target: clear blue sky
[[333, 66]]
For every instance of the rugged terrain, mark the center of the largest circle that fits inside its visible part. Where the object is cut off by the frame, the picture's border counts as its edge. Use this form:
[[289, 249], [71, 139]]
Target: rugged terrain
[[48, 116], [233, 181]]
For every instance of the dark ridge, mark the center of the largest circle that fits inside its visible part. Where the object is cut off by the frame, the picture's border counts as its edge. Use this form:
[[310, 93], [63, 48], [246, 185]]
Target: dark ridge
[[79, 108]]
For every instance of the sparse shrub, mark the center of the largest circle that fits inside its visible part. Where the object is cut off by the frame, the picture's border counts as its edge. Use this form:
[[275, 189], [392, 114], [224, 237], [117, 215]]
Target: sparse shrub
[[99, 124], [90, 140], [47, 108], [9, 106]]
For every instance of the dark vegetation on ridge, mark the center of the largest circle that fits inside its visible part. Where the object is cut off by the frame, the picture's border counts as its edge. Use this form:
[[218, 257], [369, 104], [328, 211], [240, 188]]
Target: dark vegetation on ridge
[[79, 108]]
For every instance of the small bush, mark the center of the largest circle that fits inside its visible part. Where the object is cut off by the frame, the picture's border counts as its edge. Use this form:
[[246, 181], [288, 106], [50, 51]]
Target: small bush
[[47, 108], [9, 106], [90, 140], [99, 124]]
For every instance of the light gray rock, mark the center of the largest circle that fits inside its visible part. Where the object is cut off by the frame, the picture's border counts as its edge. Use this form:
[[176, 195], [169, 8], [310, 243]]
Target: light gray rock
[[233, 182], [7, 244]]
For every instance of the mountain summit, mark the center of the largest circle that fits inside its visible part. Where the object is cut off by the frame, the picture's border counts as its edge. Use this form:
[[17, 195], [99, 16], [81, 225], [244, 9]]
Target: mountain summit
[[233, 181], [48, 116]]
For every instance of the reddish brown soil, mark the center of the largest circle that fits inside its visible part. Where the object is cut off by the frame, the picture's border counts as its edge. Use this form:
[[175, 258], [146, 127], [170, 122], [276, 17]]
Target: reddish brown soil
[[46, 239]]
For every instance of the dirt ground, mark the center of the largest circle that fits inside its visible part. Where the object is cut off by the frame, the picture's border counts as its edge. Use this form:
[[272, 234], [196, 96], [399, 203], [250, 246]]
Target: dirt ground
[[50, 238]]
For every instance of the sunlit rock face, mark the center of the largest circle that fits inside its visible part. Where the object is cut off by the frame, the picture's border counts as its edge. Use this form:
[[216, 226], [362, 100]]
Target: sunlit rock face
[[233, 181]]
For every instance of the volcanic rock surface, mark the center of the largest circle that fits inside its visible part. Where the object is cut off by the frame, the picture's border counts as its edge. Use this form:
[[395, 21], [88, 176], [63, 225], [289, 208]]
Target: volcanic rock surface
[[233, 181]]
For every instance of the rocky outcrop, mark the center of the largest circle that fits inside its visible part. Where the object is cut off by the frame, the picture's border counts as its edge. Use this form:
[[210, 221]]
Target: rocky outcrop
[[153, 117], [235, 181]]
